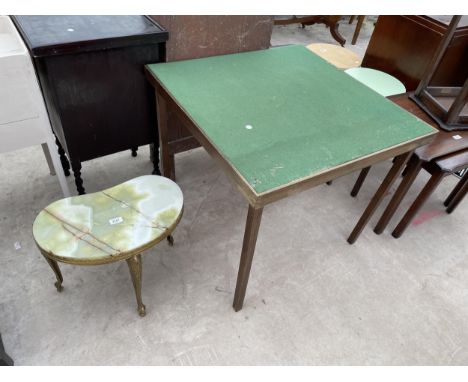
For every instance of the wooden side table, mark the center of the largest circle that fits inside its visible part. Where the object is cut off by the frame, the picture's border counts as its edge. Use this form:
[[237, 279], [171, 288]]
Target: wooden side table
[[111, 225]]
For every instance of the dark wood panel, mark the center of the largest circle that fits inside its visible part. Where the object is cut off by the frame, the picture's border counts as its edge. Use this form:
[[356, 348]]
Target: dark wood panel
[[404, 45], [203, 36]]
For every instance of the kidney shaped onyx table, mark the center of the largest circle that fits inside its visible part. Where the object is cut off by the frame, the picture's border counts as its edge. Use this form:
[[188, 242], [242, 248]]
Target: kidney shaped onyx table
[[91, 74], [279, 122]]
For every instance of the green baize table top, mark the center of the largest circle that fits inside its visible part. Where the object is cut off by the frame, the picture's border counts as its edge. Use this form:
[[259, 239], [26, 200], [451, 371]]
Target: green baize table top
[[283, 114]]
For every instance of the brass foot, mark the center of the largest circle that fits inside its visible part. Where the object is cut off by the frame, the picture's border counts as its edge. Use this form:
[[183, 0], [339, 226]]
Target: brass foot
[[59, 286], [53, 264], [134, 265], [170, 240]]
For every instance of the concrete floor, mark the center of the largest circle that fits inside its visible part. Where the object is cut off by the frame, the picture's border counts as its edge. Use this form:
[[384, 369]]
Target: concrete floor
[[312, 298]]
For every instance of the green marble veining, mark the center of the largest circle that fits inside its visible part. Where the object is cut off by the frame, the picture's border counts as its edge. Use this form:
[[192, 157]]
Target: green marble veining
[[110, 222]]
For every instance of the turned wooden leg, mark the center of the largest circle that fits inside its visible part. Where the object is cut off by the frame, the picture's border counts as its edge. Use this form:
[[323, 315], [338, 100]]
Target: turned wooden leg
[[54, 265], [167, 158], [417, 204], [360, 180], [351, 19], [461, 190], [76, 167], [134, 265], [154, 157], [254, 217], [379, 195], [457, 188], [134, 151], [360, 20], [63, 158], [412, 171]]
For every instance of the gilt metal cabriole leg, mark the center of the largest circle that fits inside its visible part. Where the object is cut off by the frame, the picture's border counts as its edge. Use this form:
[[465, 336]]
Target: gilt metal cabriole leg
[[53, 264], [134, 265]]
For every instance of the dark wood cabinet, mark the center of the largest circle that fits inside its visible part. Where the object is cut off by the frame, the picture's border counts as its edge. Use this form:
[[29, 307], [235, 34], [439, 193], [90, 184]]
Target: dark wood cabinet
[[403, 46], [91, 71]]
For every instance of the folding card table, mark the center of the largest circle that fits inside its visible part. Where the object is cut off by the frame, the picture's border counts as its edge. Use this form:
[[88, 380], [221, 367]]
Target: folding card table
[[281, 121]]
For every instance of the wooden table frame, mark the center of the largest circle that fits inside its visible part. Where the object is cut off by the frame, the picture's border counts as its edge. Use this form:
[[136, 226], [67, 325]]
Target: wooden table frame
[[165, 102]]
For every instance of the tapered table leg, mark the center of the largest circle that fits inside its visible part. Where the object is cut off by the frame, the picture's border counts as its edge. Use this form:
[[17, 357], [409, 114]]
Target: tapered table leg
[[412, 171], [417, 204], [54, 265], [379, 195], [360, 180], [254, 217], [134, 265]]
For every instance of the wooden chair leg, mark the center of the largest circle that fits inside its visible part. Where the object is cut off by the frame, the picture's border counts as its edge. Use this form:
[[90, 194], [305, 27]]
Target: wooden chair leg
[[351, 19], [360, 21], [418, 203], [360, 180], [378, 196], [457, 188], [412, 170], [458, 197]]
